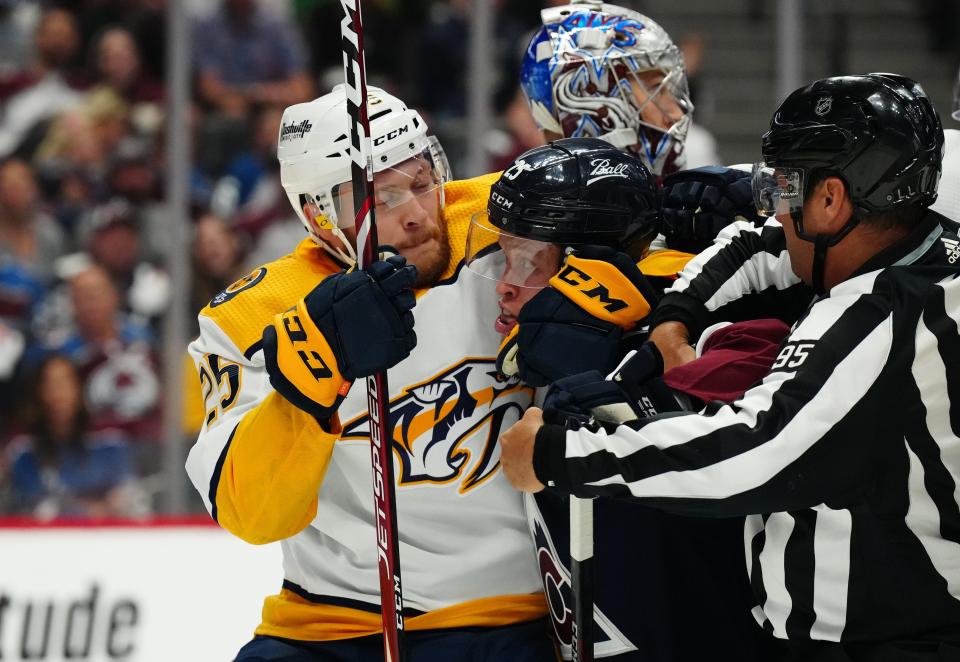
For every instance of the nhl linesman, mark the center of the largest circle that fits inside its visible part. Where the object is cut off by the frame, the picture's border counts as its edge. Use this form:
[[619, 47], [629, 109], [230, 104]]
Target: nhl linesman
[[846, 456]]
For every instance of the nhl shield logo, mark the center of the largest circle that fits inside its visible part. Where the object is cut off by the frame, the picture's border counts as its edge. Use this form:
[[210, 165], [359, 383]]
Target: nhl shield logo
[[824, 104]]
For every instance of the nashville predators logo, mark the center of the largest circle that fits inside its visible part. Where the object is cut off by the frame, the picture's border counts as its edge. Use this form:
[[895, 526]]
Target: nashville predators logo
[[445, 429]]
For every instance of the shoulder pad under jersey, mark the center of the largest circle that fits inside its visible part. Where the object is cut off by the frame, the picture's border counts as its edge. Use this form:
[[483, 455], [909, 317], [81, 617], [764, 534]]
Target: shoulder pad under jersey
[[246, 306]]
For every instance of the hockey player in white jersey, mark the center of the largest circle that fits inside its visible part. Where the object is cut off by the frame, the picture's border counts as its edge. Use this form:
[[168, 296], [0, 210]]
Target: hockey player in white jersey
[[284, 451]]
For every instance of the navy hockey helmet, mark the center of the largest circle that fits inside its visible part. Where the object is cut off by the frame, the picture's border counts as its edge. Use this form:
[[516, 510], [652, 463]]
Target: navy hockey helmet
[[568, 193], [571, 192], [878, 132], [577, 191]]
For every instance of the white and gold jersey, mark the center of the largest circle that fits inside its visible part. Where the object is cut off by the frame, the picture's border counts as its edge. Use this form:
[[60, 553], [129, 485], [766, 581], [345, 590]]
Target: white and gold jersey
[[268, 471]]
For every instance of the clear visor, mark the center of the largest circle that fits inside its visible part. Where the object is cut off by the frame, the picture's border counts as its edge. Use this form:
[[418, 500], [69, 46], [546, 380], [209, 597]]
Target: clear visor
[[777, 190], [421, 175], [518, 261]]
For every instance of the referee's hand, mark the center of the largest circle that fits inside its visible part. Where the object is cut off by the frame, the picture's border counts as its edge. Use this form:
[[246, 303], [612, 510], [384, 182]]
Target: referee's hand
[[516, 451], [673, 341]]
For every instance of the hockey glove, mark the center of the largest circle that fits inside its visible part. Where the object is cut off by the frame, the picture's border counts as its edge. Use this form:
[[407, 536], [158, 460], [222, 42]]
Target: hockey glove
[[632, 392], [696, 204], [577, 323], [353, 324]]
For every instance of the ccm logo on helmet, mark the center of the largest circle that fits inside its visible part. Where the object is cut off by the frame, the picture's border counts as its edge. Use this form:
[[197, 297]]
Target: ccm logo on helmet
[[289, 131], [501, 200], [582, 280], [391, 135]]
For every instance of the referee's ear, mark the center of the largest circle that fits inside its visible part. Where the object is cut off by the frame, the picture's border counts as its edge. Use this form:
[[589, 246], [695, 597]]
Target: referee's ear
[[831, 207]]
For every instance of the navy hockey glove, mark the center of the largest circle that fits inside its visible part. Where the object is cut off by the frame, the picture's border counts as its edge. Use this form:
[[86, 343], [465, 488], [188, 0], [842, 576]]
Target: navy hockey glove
[[632, 392], [577, 323], [696, 204], [353, 324]]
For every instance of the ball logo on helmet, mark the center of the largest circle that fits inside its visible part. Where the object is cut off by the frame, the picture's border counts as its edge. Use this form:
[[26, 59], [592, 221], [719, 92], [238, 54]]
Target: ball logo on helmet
[[824, 104], [602, 170]]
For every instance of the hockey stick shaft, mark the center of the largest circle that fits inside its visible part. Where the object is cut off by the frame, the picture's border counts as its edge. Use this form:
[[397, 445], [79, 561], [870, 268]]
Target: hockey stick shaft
[[378, 395], [581, 567], [581, 577]]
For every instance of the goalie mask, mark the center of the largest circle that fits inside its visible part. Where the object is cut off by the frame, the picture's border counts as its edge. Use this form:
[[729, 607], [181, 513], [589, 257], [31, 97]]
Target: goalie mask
[[569, 193], [314, 154], [610, 73]]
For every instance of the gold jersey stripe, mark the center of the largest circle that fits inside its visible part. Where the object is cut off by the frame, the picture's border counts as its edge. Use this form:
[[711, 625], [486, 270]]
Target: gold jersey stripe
[[290, 616]]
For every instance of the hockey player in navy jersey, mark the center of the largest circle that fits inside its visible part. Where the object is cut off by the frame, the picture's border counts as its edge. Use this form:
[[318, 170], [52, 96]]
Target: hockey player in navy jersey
[[579, 215], [284, 454]]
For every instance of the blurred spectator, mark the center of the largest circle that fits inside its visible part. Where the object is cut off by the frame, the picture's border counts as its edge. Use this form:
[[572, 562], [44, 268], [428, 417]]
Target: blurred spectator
[[217, 260], [30, 242], [392, 34], [113, 243], [60, 466], [250, 193], [443, 68], [85, 138], [118, 67], [45, 88], [18, 22], [522, 133], [249, 58], [115, 356]]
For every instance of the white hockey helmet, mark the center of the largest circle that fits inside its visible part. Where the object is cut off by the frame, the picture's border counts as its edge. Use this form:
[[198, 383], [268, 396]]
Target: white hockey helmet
[[314, 155], [581, 76]]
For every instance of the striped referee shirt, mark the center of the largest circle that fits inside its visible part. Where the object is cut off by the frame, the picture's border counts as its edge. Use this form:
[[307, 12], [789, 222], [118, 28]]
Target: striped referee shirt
[[845, 457]]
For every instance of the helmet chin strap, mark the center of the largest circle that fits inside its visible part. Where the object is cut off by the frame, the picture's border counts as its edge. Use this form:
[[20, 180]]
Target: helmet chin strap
[[348, 257], [821, 244]]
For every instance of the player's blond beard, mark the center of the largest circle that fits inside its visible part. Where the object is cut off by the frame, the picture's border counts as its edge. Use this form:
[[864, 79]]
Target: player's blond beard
[[430, 271]]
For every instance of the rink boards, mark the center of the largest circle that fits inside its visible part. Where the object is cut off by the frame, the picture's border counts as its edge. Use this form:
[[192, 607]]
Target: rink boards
[[173, 590]]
